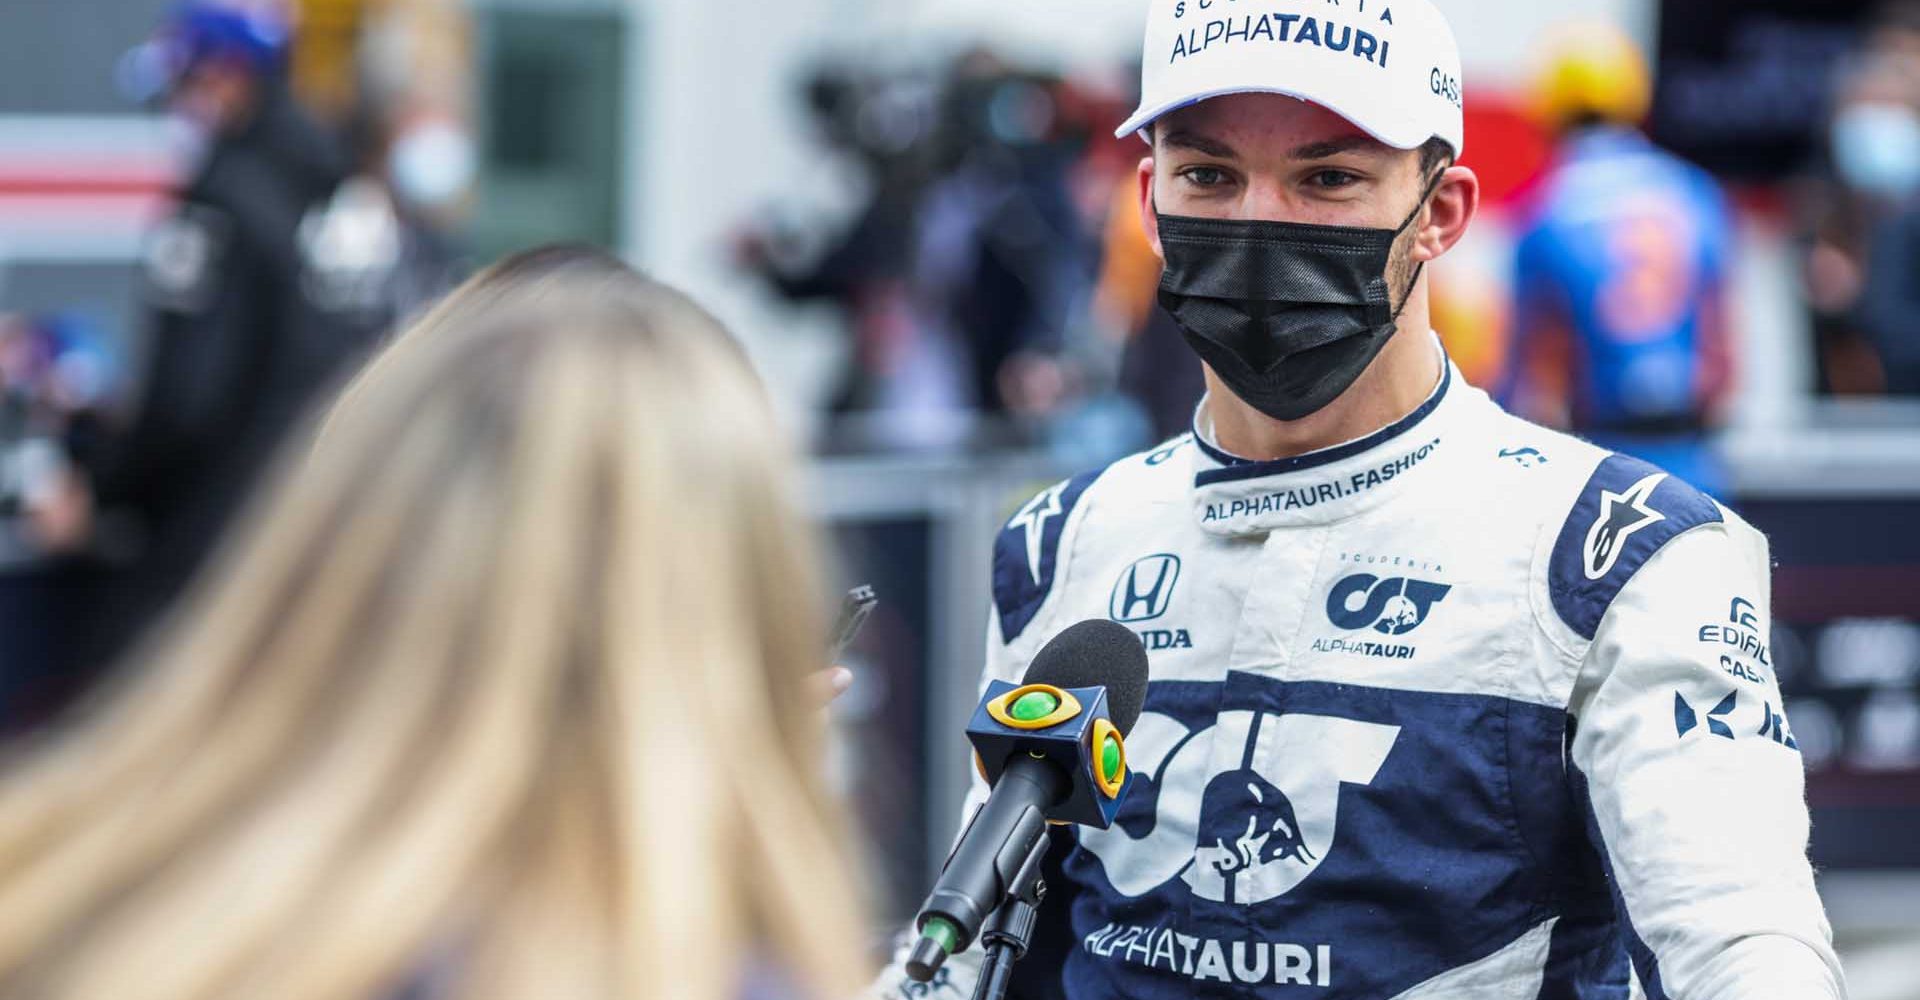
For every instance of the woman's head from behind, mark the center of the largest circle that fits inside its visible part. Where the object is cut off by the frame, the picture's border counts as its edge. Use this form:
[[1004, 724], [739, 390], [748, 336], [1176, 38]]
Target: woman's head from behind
[[508, 680]]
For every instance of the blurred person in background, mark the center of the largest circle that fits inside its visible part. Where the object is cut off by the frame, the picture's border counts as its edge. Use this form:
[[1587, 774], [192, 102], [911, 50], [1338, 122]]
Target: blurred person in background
[[1620, 320], [479, 706], [1155, 365], [1876, 153], [884, 126], [414, 142], [57, 387], [267, 280], [1003, 245], [970, 266], [1872, 173], [421, 168]]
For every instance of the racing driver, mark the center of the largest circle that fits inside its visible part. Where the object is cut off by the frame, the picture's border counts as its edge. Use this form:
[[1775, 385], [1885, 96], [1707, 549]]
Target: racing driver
[[1442, 703]]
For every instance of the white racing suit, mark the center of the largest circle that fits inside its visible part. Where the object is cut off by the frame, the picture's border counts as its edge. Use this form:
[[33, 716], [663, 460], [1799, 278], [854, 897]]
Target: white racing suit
[[1466, 708]]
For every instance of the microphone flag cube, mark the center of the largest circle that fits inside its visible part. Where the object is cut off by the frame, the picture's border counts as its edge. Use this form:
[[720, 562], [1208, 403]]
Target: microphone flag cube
[[1072, 727]]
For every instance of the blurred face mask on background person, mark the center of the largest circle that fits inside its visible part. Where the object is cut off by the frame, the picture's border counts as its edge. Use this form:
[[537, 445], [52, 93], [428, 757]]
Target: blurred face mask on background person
[[1876, 148], [432, 165], [1288, 315]]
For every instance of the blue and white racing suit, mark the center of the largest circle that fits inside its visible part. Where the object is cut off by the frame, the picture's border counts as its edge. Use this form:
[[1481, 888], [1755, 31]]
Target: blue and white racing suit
[[1465, 708]]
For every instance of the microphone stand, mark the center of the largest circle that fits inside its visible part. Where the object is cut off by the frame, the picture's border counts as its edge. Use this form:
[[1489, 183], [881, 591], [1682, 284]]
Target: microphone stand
[[1007, 933]]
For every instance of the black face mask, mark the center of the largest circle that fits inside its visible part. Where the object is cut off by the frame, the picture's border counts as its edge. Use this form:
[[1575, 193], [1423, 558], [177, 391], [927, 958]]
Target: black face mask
[[1288, 315]]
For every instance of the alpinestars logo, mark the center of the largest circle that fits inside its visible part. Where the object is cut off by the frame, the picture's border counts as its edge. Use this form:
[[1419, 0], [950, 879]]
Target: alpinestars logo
[[1263, 827], [1621, 514], [1032, 519]]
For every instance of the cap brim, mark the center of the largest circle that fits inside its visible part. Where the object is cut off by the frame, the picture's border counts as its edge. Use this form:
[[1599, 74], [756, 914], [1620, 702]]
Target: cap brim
[[1147, 115]]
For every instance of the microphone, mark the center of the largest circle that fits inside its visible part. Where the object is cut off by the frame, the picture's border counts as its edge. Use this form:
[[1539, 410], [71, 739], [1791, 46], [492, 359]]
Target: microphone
[[1053, 748]]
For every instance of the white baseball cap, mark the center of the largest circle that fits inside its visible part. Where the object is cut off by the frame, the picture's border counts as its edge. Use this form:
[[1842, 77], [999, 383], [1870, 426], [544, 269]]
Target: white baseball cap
[[1391, 67]]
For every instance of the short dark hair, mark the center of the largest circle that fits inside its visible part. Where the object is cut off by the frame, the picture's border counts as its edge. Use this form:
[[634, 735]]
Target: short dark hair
[[1436, 155]]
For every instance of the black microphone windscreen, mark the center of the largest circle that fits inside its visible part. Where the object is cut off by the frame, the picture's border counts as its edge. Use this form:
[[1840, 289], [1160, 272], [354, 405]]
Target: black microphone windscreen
[[1097, 653]]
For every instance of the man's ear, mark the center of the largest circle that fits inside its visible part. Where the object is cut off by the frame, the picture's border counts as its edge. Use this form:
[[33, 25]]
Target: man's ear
[[1149, 219], [1456, 200]]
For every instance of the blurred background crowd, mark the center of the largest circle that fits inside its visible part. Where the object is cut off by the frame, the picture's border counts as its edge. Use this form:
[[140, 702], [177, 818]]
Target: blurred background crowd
[[1701, 244]]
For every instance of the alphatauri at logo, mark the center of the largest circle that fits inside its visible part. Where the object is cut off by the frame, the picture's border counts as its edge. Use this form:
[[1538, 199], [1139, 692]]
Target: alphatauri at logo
[[1394, 606]]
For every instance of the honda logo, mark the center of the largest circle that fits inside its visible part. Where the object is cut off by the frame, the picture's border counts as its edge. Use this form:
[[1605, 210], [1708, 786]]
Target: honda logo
[[1144, 589]]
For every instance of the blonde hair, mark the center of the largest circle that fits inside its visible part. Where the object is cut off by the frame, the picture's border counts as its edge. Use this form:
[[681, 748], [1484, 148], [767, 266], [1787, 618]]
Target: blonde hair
[[506, 681]]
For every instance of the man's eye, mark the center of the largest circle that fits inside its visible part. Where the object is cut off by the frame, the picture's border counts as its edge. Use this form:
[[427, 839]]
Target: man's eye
[[1333, 179], [1205, 176]]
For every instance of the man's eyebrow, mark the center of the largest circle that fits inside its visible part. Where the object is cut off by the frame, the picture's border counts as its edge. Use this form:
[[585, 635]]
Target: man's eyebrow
[[1183, 139], [1336, 147]]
